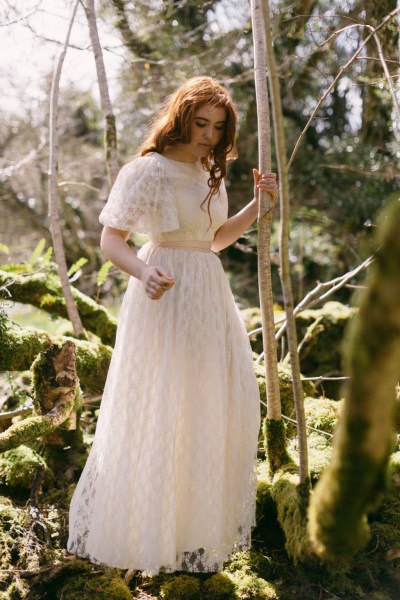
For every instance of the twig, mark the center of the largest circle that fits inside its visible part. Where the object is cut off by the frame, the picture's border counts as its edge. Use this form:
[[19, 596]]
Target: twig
[[8, 171], [79, 183], [18, 19], [338, 76], [5, 416], [314, 297], [330, 435]]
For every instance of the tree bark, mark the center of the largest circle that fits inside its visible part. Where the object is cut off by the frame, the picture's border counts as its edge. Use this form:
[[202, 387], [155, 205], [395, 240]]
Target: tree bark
[[276, 451], [353, 483], [44, 291], [54, 218], [291, 333], [106, 107]]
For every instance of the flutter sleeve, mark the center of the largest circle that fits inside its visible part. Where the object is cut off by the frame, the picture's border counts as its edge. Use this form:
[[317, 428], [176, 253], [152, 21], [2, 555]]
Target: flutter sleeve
[[141, 199]]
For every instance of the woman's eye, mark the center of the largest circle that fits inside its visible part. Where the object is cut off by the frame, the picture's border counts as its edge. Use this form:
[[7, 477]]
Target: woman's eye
[[200, 125]]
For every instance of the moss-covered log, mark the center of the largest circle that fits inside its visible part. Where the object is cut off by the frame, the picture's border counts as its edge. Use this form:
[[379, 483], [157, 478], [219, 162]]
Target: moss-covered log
[[20, 346], [43, 290], [355, 480], [59, 392]]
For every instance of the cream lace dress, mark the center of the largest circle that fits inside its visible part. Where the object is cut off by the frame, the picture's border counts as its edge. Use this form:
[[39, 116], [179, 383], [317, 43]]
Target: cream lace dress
[[170, 480]]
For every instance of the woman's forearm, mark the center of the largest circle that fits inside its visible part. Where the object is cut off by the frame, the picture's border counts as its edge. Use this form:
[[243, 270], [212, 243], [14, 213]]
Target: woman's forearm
[[234, 227], [114, 247]]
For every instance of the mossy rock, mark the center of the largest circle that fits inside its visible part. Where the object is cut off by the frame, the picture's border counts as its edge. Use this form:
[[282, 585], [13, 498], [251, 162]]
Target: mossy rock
[[322, 413], [19, 465], [250, 587], [252, 561], [103, 587], [181, 587], [319, 453], [267, 530], [285, 387], [321, 352], [80, 580], [219, 587]]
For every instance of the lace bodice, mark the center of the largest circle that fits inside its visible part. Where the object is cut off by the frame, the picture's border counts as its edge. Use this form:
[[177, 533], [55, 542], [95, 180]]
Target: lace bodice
[[162, 198]]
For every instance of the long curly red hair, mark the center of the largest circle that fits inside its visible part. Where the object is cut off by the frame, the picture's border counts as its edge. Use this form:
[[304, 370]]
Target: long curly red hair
[[171, 126]]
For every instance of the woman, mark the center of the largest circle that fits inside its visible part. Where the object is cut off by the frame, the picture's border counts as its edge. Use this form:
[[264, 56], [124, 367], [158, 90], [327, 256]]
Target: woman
[[170, 480]]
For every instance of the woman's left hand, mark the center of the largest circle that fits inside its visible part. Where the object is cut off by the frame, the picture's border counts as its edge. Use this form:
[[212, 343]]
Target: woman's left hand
[[266, 182]]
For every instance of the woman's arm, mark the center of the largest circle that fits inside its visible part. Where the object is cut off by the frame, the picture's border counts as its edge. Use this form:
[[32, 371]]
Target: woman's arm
[[234, 227], [114, 247]]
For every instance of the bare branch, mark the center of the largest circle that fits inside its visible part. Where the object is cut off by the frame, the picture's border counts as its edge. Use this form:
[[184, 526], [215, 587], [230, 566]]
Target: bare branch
[[338, 76]]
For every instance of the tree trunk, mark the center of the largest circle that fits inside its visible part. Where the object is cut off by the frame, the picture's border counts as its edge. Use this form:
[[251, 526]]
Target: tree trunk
[[56, 398], [284, 246], [106, 107], [356, 478], [54, 218], [273, 426], [44, 291]]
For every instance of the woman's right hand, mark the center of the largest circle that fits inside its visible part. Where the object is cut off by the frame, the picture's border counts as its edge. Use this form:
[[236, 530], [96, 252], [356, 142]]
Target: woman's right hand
[[156, 281]]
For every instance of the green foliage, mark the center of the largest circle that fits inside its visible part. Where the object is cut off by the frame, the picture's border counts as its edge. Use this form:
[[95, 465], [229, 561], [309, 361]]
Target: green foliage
[[183, 587], [18, 467], [219, 587], [5, 249], [76, 269], [291, 499], [250, 587], [103, 273]]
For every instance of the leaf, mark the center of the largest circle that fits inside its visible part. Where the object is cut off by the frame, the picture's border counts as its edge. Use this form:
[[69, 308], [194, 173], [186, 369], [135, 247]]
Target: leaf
[[37, 252], [16, 268], [103, 273], [4, 248], [77, 265], [46, 258]]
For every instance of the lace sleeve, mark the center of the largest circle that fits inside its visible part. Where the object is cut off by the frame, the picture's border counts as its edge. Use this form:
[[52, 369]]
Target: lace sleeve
[[141, 199]]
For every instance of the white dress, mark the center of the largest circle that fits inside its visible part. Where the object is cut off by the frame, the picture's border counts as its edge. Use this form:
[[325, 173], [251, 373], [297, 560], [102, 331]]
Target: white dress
[[170, 481]]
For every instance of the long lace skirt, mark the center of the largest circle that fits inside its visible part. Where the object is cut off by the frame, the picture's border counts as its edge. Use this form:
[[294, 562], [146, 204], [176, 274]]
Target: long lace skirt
[[170, 480]]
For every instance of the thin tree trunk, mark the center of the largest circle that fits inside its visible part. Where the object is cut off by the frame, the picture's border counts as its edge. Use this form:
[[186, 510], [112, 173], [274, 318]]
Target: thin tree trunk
[[106, 107], [54, 218], [273, 426], [356, 478], [284, 246]]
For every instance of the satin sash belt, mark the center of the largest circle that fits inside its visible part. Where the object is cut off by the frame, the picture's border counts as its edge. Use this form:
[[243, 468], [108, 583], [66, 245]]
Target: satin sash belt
[[200, 245]]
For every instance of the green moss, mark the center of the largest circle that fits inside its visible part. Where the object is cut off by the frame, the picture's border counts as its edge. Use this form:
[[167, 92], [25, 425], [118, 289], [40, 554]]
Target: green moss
[[181, 587], [252, 561], [219, 587], [291, 499], [285, 388], [250, 587], [274, 432], [322, 352], [322, 413], [18, 467], [80, 580], [319, 454]]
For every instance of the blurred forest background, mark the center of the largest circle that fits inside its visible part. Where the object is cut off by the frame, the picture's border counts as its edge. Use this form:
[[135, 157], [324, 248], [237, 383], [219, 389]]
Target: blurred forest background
[[342, 174]]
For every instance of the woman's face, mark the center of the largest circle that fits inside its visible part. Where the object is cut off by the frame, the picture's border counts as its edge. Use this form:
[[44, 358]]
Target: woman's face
[[206, 130]]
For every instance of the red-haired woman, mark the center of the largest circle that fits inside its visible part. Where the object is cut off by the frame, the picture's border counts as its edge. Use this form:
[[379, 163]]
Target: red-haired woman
[[170, 481]]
